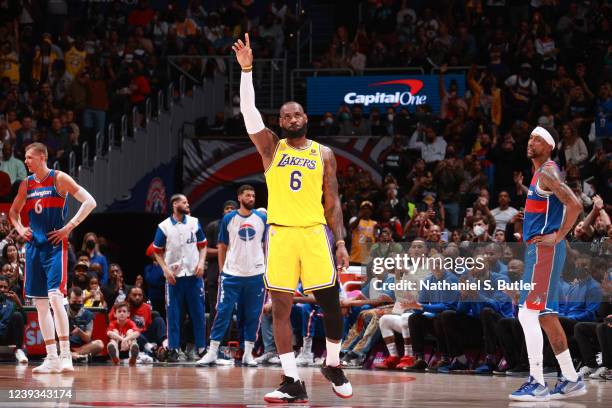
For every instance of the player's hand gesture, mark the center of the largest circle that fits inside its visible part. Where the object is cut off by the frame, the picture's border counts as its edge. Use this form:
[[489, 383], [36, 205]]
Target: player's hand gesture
[[25, 233], [244, 53], [59, 235], [342, 257], [169, 277]]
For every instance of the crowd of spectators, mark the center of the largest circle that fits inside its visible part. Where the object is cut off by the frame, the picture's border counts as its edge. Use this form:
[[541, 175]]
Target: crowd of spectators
[[69, 69]]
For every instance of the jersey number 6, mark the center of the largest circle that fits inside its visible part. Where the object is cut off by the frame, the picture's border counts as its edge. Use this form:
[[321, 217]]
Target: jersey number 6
[[295, 183], [38, 208]]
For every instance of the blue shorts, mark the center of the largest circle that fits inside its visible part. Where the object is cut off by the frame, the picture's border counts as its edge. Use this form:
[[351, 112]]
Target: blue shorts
[[46, 269], [543, 267]]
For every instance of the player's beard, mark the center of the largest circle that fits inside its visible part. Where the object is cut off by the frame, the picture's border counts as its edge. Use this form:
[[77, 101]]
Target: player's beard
[[184, 210], [248, 206], [295, 134]]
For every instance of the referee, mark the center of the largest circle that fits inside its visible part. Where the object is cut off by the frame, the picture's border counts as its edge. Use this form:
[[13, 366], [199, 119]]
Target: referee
[[183, 240], [242, 264]]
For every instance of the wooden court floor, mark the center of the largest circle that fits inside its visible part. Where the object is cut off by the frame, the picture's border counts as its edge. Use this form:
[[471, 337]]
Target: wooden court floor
[[190, 386]]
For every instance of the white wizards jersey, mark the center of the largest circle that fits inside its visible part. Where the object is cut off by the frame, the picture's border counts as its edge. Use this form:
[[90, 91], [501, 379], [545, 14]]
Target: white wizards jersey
[[244, 237]]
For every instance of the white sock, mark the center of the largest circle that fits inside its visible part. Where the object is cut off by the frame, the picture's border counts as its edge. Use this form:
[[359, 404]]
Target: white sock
[[307, 346], [51, 350], [248, 348], [333, 353], [289, 365], [201, 350], [392, 349], [213, 347], [407, 349], [530, 321], [567, 367], [64, 347]]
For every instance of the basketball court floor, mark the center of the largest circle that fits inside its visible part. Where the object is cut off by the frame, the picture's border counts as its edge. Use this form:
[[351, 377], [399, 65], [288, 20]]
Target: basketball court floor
[[190, 386]]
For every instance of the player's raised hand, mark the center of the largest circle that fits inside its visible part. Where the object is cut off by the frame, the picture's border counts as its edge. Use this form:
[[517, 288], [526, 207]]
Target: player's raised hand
[[244, 53]]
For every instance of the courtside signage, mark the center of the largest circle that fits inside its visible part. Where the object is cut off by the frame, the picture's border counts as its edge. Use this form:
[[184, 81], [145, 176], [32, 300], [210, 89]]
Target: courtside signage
[[326, 94]]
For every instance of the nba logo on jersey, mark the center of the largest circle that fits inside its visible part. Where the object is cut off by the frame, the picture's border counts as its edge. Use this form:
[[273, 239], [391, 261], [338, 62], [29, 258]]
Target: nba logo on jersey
[[246, 232]]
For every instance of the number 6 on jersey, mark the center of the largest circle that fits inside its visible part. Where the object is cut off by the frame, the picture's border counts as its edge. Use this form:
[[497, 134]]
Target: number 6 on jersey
[[295, 182]]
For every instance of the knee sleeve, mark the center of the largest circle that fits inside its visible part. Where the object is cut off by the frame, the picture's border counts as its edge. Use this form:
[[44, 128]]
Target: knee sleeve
[[329, 301]]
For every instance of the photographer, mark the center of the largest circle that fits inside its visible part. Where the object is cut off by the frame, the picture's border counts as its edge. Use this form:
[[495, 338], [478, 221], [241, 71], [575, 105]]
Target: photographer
[[81, 327]]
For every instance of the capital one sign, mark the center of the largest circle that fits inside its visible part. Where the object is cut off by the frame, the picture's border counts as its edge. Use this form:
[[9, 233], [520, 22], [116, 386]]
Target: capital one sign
[[326, 94]]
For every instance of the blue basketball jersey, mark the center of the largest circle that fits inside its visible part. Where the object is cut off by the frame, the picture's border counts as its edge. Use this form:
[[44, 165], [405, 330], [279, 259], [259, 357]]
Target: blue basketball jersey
[[544, 212], [45, 206]]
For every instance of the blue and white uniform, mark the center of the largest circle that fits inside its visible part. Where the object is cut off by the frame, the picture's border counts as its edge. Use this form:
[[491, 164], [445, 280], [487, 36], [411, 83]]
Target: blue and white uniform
[[544, 214], [182, 242], [241, 280]]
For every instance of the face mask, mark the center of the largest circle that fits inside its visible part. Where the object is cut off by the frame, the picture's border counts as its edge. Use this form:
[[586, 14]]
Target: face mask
[[75, 307], [478, 230], [329, 121], [90, 244], [390, 117], [236, 100], [344, 116]]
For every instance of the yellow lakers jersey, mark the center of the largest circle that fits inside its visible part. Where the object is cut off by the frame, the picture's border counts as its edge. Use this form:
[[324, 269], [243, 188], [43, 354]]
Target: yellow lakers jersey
[[295, 186]]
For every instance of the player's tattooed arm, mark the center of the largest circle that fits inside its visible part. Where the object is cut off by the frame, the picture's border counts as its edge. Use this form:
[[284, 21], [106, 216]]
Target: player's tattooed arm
[[265, 142], [333, 209], [550, 180]]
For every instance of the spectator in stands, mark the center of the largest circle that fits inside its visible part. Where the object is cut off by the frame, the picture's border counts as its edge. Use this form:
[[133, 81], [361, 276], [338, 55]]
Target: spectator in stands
[[522, 90], [24, 136], [480, 227], [12, 321], [10, 256], [363, 231], [92, 249], [469, 316], [328, 125], [81, 278], [503, 214], [357, 125], [15, 282], [432, 148], [97, 104], [122, 334], [375, 297], [116, 290], [81, 321], [150, 324], [596, 336], [573, 147], [92, 296], [384, 248], [579, 298]]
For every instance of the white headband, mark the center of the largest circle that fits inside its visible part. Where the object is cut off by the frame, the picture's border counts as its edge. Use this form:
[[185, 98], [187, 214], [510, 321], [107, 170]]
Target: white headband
[[543, 133]]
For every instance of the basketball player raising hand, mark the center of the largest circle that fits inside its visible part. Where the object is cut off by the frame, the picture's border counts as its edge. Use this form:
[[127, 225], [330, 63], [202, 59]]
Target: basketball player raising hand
[[302, 233]]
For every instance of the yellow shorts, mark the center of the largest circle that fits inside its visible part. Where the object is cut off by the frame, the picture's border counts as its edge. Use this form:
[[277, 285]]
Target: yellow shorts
[[299, 254]]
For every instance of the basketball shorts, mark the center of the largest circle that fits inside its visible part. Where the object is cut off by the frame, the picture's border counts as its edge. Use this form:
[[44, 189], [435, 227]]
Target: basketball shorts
[[46, 269], [543, 267], [299, 254]]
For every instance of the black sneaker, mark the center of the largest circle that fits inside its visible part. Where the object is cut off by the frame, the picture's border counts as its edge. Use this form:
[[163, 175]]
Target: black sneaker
[[518, 371], [419, 365], [289, 390], [173, 356], [340, 384], [161, 353]]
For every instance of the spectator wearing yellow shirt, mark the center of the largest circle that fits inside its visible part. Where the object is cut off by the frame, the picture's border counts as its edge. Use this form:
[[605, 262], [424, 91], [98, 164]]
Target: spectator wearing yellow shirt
[[76, 58], [9, 63], [364, 233]]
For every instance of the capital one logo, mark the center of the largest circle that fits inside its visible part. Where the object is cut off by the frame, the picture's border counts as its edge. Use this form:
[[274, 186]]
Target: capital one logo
[[405, 98]]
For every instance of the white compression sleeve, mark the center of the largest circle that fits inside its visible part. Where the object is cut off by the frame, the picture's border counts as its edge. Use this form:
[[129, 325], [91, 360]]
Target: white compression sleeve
[[252, 117], [88, 203], [534, 340]]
